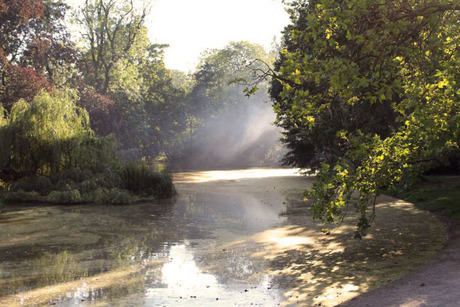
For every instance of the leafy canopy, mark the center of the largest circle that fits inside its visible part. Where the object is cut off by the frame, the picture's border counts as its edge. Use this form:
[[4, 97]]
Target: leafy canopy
[[368, 95], [50, 134]]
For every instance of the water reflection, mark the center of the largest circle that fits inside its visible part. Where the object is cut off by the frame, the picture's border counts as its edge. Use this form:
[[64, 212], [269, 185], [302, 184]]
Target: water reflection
[[145, 254], [233, 175], [223, 242], [187, 281]]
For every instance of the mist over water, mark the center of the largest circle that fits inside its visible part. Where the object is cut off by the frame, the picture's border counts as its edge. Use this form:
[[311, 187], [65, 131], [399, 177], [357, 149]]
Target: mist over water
[[243, 135]]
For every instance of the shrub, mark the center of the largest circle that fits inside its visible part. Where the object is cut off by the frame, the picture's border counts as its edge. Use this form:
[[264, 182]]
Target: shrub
[[66, 185], [75, 174], [120, 197], [2, 202], [87, 186], [22, 196], [40, 184], [140, 179], [99, 196], [21, 185], [109, 179], [112, 196], [71, 196]]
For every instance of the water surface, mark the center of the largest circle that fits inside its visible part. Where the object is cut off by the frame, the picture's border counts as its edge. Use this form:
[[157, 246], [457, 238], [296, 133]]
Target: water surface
[[225, 240], [172, 253]]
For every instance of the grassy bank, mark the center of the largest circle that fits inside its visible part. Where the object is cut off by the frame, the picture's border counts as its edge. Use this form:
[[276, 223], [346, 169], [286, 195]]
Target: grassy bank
[[437, 194]]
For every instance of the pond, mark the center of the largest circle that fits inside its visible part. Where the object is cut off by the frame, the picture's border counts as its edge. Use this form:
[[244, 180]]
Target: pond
[[225, 240]]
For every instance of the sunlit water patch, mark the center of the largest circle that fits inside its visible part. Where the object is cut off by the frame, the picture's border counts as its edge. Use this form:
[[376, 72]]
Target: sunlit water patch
[[148, 254], [221, 242], [225, 175]]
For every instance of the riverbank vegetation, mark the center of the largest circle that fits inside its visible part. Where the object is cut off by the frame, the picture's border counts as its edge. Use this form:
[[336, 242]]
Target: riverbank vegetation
[[51, 154], [85, 113], [438, 194], [367, 93]]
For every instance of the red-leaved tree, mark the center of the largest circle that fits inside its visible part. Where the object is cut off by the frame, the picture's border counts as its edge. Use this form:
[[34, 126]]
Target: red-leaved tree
[[33, 41], [105, 115]]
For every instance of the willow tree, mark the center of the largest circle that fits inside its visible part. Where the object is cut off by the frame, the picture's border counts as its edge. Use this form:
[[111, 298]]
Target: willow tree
[[50, 134], [367, 93]]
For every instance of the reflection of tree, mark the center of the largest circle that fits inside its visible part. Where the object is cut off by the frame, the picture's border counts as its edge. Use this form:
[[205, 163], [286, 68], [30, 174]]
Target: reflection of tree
[[130, 240], [232, 264]]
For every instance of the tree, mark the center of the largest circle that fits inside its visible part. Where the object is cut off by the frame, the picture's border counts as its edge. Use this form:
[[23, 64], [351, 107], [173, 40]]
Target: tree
[[105, 115], [111, 27], [34, 46], [51, 51], [224, 127], [367, 94], [220, 68], [125, 68], [46, 135], [164, 101], [152, 106], [15, 35], [14, 24]]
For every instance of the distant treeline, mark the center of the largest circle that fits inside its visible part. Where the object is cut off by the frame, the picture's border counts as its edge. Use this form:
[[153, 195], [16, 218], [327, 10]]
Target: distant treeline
[[92, 99]]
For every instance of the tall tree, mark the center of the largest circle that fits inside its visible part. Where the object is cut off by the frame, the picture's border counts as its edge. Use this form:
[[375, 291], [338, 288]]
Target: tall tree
[[367, 93], [111, 27], [51, 51], [15, 35], [15, 16], [33, 46]]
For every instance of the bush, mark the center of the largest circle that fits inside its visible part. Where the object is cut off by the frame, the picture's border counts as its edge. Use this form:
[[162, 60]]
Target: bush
[[114, 196], [99, 196], [21, 185], [71, 196], [75, 174], [87, 186], [140, 179], [120, 197], [23, 196], [40, 184], [109, 179], [66, 185]]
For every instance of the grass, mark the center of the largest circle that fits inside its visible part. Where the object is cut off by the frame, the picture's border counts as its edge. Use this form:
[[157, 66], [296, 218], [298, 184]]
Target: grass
[[436, 194]]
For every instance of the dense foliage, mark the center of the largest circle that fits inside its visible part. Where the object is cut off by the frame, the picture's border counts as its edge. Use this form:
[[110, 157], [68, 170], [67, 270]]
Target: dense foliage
[[61, 160], [367, 93], [34, 144], [80, 109], [65, 111]]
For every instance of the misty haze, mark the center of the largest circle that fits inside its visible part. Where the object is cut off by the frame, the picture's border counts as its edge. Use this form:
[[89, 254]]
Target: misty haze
[[229, 153]]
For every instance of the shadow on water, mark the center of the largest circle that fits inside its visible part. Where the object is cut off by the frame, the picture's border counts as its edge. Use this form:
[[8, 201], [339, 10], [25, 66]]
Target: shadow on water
[[324, 270], [223, 242]]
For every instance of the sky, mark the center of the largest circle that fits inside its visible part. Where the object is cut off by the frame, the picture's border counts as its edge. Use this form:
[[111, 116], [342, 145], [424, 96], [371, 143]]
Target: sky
[[193, 26]]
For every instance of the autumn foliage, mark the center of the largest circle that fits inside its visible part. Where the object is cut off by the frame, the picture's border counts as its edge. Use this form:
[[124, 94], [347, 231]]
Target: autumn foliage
[[104, 113], [23, 82], [18, 81]]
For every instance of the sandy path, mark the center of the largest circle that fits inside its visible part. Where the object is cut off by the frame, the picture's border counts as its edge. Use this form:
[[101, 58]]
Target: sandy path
[[436, 283]]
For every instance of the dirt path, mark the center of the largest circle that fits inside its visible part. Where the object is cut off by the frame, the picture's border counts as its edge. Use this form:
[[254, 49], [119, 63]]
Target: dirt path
[[436, 283]]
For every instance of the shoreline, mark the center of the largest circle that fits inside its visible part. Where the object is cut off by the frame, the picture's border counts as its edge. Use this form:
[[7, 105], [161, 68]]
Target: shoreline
[[434, 283]]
